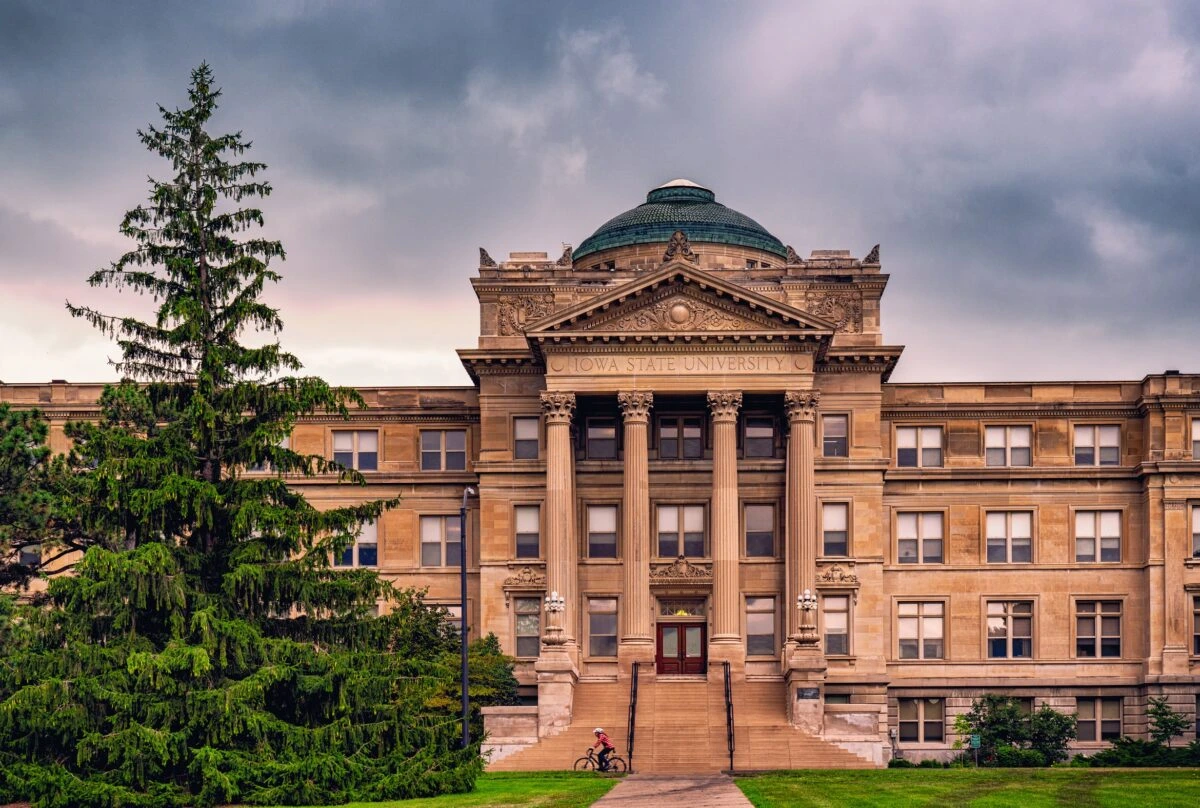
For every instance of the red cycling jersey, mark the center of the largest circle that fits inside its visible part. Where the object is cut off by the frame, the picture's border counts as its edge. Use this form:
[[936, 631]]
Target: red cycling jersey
[[603, 740]]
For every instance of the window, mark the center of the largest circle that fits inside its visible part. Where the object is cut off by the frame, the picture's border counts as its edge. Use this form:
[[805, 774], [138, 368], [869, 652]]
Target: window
[[601, 439], [1097, 445], [760, 531], [1010, 629], [602, 531], [1098, 628], [1196, 625], [922, 720], [1097, 527], [1099, 719], [1196, 531], [680, 438], [760, 626], [528, 626], [835, 531], [1196, 439], [835, 435], [441, 541], [528, 526], [922, 630], [602, 627], [1009, 537], [525, 438], [454, 616], [356, 449], [835, 611], [1008, 445], [680, 531], [30, 555], [444, 450], [919, 538], [364, 552], [837, 698], [760, 436], [918, 446]]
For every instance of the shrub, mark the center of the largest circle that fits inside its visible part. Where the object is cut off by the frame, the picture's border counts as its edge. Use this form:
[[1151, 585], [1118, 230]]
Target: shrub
[[1012, 757], [930, 764], [1049, 733], [901, 763], [1133, 752], [1165, 722]]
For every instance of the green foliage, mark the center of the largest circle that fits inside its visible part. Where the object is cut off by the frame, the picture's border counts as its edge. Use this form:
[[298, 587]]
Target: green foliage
[[901, 763], [1165, 722], [205, 651], [1001, 724], [1136, 753], [1012, 757], [1049, 733]]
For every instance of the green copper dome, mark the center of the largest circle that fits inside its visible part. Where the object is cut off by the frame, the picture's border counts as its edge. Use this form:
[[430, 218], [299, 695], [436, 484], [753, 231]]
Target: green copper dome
[[680, 205]]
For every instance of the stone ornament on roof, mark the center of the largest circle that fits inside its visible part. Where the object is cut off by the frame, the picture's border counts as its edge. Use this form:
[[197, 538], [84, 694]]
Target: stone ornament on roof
[[872, 256], [793, 257], [678, 249], [565, 259], [485, 260]]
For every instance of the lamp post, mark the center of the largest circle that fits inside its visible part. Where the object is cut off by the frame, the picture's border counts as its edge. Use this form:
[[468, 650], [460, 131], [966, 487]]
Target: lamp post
[[462, 637], [806, 601]]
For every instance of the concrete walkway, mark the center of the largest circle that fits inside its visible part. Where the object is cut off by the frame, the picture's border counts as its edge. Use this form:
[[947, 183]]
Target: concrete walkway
[[675, 791]]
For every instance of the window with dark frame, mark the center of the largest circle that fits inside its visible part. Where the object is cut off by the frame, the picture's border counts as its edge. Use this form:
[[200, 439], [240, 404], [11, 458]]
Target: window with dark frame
[[454, 614], [601, 439], [356, 448], [759, 436], [680, 437], [919, 447], [525, 438], [760, 530], [527, 524], [1196, 531], [1196, 625], [681, 531], [1008, 445], [602, 627], [921, 720], [835, 435], [760, 626], [441, 541], [1196, 439], [835, 529], [602, 531], [528, 626], [1009, 537], [919, 538], [1010, 629], [921, 627], [1097, 445], [1099, 718], [835, 612], [444, 450], [364, 552], [30, 555], [1098, 628], [1097, 531]]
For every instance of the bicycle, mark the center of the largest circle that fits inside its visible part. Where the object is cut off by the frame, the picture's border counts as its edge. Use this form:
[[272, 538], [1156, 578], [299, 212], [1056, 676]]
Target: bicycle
[[590, 762]]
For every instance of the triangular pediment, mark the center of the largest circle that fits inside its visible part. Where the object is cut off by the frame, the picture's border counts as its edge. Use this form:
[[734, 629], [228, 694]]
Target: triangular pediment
[[679, 300]]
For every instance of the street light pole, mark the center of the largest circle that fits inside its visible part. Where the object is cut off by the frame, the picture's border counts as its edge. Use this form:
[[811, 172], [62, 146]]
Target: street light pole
[[462, 637]]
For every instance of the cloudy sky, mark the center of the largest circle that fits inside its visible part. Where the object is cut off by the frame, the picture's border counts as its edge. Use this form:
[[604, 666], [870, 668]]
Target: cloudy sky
[[1032, 169]]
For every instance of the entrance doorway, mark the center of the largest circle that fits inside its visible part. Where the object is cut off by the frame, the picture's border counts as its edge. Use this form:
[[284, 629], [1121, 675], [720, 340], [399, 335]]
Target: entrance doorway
[[682, 648]]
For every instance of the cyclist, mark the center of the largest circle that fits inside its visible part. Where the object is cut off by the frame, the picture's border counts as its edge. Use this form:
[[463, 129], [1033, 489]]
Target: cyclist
[[602, 740]]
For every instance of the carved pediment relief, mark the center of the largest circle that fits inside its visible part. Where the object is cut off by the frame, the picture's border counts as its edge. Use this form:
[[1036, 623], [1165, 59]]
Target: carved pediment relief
[[681, 570], [843, 309], [681, 309], [515, 312]]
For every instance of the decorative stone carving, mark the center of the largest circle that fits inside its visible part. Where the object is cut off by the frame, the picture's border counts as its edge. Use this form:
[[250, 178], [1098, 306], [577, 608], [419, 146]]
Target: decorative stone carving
[[837, 575], [793, 257], [518, 311], [724, 404], [565, 260], [679, 248], [1174, 504], [485, 260], [526, 578], [843, 309], [681, 607], [635, 404], [681, 313], [558, 406], [681, 570], [872, 256], [801, 405]]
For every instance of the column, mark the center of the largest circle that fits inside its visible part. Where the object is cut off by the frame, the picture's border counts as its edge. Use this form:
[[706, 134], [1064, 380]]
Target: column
[[561, 553], [635, 524], [801, 558], [724, 405]]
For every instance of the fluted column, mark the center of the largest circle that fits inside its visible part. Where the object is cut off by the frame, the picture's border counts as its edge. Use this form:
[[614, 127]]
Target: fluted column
[[724, 405], [561, 553], [635, 519], [801, 558]]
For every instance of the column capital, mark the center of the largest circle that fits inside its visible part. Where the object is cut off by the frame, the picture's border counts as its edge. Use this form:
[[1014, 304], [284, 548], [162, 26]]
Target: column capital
[[558, 406], [801, 405], [724, 404], [635, 404]]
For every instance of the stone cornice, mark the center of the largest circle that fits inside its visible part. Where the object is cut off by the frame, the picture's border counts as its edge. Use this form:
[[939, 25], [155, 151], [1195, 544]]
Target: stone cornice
[[926, 410], [637, 344]]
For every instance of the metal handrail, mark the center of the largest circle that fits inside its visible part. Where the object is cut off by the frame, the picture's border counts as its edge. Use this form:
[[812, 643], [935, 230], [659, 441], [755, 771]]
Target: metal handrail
[[729, 711], [633, 693]]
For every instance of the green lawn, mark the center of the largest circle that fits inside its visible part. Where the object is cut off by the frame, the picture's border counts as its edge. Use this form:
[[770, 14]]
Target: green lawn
[[979, 788], [535, 789]]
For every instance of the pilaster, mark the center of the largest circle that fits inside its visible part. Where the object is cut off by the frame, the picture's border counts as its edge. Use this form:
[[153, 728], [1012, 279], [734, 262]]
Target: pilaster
[[636, 640], [727, 637]]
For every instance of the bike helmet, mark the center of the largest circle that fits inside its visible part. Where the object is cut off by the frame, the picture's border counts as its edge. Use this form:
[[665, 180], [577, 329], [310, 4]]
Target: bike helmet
[[597, 730]]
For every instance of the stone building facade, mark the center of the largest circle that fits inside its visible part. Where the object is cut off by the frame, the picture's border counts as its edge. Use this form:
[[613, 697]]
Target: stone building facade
[[686, 431]]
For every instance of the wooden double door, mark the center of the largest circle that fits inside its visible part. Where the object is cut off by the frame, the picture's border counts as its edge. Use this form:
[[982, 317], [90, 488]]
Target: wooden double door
[[682, 648]]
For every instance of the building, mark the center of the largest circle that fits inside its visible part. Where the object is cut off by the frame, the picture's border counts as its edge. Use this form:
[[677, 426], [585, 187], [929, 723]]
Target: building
[[686, 431]]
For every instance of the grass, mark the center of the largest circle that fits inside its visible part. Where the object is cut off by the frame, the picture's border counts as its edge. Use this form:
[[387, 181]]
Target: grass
[[533, 789], [978, 788]]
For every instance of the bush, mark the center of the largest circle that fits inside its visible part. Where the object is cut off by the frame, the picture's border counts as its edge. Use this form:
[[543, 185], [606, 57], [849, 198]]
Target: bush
[[901, 763], [1012, 757], [931, 764], [1133, 752]]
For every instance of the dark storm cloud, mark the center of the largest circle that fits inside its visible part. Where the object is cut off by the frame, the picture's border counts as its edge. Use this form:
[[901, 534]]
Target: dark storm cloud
[[1031, 168]]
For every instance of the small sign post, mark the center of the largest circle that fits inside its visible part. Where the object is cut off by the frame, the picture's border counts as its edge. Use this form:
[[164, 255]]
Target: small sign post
[[976, 742]]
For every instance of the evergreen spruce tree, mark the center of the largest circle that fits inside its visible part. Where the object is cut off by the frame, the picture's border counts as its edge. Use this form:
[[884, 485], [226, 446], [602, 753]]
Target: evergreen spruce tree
[[204, 650]]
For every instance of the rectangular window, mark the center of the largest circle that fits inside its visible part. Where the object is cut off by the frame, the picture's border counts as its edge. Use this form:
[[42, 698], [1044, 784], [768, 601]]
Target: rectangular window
[[454, 615], [30, 555], [1097, 445], [364, 552], [601, 438], [835, 529], [919, 447], [1196, 625], [441, 541], [602, 627], [527, 522], [602, 531], [835, 611], [1196, 439], [835, 435], [922, 630], [1196, 531], [1097, 531], [760, 531], [1099, 719], [760, 626], [444, 450], [1010, 629], [356, 449], [680, 531], [1008, 445], [1098, 628], [921, 720], [528, 626], [919, 538], [525, 438], [680, 437], [1009, 537], [760, 436]]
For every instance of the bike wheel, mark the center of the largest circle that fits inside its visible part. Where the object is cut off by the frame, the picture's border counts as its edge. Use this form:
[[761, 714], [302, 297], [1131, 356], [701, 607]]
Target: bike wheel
[[585, 763], [616, 764]]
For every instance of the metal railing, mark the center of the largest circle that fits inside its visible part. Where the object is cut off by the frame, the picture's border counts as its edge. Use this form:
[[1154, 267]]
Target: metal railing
[[633, 693], [728, 711]]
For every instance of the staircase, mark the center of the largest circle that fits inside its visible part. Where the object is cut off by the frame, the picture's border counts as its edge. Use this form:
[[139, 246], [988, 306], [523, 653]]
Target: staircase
[[681, 729]]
